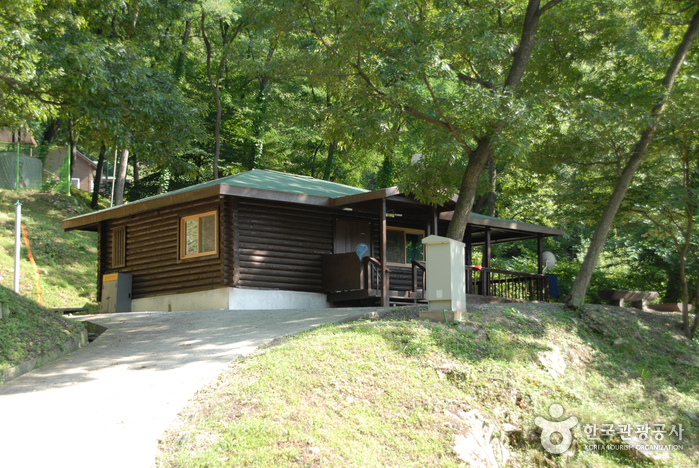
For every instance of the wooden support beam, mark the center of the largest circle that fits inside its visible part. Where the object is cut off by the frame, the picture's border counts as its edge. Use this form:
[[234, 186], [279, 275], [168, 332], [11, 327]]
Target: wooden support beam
[[487, 252], [469, 245], [428, 223], [435, 220], [539, 267], [382, 242], [487, 249]]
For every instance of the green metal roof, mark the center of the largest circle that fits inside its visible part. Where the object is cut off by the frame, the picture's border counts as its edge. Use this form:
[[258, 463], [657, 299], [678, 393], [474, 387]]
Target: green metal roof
[[493, 218], [265, 179], [290, 183], [261, 179]]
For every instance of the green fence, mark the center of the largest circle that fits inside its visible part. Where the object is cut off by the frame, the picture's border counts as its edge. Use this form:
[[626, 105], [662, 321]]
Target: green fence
[[18, 169]]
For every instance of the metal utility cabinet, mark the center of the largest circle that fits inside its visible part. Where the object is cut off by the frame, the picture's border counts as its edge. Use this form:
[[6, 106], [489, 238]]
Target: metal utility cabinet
[[116, 293], [446, 274]]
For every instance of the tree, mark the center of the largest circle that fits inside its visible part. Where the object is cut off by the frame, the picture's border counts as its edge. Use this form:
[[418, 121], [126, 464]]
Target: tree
[[228, 32], [668, 197], [636, 156], [411, 57]]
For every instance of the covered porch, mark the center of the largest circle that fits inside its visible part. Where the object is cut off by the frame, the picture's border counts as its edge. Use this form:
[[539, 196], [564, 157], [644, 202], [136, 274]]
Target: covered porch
[[391, 268]]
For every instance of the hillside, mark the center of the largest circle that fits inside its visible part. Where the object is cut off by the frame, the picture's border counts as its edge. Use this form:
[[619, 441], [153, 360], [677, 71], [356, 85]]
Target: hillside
[[403, 392], [67, 262], [30, 330]]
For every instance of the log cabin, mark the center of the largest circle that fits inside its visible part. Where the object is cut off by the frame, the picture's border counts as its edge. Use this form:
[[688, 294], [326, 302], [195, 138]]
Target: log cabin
[[268, 240]]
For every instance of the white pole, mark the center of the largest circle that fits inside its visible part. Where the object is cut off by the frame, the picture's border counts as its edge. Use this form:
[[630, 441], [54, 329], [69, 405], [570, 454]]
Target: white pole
[[18, 224], [111, 198]]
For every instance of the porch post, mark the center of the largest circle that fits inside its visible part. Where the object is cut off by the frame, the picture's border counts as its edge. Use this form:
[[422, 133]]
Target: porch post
[[486, 262], [435, 221], [539, 252], [487, 250], [540, 270], [469, 246], [469, 257], [428, 222], [384, 272]]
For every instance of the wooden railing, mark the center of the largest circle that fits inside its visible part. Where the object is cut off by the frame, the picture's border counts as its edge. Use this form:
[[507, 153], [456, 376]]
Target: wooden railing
[[345, 272], [372, 275], [507, 284], [418, 266]]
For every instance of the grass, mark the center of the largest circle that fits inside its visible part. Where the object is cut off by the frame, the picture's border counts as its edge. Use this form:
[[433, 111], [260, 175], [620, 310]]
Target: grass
[[67, 261], [375, 393], [67, 268], [30, 330]]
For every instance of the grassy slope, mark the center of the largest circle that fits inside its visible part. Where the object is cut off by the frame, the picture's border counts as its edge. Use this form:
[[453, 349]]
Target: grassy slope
[[30, 330], [374, 393], [67, 261], [67, 266]]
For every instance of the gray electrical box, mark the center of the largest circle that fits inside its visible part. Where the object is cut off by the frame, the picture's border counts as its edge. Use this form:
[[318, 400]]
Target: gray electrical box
[[446, 274], [116, 293]]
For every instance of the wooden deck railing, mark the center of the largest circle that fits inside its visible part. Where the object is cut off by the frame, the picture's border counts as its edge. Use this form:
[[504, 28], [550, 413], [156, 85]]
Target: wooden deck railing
[[507, 284], [492, 282], [372, 275], [346, 273], [419, 293]]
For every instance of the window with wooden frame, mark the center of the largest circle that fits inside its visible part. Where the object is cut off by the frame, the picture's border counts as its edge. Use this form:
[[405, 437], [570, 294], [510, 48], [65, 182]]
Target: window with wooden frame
[[199, 235], [403, 245], [119, 247]]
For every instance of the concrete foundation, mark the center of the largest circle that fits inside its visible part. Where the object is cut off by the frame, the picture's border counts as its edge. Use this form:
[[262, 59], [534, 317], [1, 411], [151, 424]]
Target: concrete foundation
[[265, 299], [438, 316], [233, 299]]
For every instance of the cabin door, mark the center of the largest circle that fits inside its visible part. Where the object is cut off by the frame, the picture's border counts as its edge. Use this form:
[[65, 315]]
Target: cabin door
[[349, 233]]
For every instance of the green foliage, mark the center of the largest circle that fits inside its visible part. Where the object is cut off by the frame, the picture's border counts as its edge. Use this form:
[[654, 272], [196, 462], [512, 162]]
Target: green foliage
[[351, 91], [66, 261]]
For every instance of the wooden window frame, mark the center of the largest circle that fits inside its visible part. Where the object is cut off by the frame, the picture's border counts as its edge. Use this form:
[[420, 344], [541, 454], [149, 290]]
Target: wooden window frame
[[182, 235], [119, 247], [405, 231]]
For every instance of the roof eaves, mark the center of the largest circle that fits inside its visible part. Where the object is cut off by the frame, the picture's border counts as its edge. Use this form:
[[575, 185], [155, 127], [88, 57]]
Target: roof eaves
[[481, 220], [91, 219], [89, 161], [362, 197]]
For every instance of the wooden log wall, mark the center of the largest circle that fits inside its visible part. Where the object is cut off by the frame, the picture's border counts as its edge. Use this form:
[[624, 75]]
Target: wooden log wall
[[152, 251], [226, 239], [279, 246]]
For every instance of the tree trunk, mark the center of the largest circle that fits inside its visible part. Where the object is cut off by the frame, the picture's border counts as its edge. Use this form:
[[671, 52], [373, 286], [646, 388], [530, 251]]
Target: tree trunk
[[98, 177], [114, 172], [179, 65], [689, 210], [134, 163], [493, 179], [47, 138], [214, 88], [121, 178], [479, 157], [467, 191], [582, 280], [329, 161], [214, 83], [695, 324], [73, 135]]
